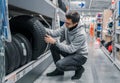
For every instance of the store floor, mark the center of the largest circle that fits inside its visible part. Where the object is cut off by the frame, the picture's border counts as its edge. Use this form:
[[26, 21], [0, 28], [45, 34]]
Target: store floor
[[98, 69]]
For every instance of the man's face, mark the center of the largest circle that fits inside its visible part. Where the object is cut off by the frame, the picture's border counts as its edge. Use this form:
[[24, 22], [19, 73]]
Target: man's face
[[69, 23]]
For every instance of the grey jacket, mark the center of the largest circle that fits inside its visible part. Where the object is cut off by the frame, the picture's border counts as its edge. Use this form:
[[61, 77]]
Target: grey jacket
[[76, 41]]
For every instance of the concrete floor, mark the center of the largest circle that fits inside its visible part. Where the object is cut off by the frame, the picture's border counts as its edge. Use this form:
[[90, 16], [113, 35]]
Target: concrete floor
[[98, 69]]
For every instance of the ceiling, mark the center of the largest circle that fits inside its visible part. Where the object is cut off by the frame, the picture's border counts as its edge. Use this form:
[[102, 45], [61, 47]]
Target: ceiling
[[91, 6]]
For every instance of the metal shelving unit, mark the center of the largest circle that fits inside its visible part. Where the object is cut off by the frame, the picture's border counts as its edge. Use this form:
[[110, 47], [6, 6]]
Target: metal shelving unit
[[107, 53], [117, 31], [19, 73], [2, 63], [110, 57], [31, 7], [61, 15], [116, 35], [44, 7], [116, 44]]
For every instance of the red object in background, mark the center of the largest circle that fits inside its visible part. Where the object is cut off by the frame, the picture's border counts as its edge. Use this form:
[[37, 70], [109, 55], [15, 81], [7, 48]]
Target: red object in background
[[98, 40], [91, 30], [113, 2], [110, 48], [99, 15]]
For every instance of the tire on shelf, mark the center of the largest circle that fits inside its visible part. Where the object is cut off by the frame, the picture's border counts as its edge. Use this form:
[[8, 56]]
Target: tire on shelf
[[10, 55], [62, 5], [25, 46], [33, 30], [17, 54], [6, 60], [19, 46]]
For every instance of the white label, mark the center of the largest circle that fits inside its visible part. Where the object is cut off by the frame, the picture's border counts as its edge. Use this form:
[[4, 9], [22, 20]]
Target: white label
[[24, 49], [11, 79]]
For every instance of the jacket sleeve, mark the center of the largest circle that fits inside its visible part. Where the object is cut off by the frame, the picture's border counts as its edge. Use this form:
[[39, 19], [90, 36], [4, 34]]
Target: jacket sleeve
[[57, 32], [74, 46]]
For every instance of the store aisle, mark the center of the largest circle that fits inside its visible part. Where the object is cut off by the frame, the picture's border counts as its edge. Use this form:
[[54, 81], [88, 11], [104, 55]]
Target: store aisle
[[98, 69]]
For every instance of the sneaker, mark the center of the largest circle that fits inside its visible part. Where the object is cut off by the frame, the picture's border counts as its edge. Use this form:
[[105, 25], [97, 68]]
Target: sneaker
[[78, 73], [56, 72]]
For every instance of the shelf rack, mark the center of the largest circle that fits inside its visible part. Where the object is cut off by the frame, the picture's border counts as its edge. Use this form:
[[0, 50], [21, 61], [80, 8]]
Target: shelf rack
[[111, 58], [117, 31], [31, 7], [43, 7], [116, 44], [19, 73]]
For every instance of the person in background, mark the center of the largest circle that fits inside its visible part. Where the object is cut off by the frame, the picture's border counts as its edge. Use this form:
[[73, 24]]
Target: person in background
[[74, 50], [99, 28], [92, 29]]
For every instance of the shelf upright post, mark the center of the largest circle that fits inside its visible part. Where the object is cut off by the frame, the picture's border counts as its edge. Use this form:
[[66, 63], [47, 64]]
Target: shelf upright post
[[2, 61], [56, 19], [2, 57], [115, 24], [114, 34], [5, 35]]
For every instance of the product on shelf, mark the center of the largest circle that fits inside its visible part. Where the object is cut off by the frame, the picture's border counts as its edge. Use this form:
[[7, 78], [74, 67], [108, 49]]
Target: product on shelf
[[33, 30]]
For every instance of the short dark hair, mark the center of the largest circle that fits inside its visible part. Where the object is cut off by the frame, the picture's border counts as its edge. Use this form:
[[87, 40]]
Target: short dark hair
[[73, 15]]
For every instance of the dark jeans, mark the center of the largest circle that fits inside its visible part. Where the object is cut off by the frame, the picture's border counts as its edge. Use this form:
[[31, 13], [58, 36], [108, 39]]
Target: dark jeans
[[68, 62], [98, 33]]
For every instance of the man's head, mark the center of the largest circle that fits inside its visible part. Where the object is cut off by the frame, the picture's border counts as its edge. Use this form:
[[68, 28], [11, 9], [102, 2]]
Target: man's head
[[72, 19]]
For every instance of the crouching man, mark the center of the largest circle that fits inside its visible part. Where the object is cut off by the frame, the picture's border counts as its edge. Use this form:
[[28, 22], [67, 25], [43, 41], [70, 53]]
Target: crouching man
[[74, 50]]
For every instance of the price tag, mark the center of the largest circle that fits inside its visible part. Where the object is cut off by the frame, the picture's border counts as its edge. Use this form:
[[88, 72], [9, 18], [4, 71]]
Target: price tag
[[11, 79]]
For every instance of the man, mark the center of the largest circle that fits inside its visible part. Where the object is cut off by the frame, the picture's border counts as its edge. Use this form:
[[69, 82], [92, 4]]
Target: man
[[75, 49]]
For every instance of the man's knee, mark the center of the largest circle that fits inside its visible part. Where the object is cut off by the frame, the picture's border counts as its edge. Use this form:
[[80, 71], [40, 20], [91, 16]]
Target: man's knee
[[60, 65]]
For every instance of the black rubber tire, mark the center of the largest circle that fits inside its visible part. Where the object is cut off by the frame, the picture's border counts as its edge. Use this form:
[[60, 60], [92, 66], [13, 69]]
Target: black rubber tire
[[31, 28], [6, 60], [11, 57], [27, 46], [17, 54], [21, 55], [62, 5]]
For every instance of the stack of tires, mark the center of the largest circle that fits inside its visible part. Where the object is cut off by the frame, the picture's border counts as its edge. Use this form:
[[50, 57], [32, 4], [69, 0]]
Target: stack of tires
[[17, 53], [27, 42]]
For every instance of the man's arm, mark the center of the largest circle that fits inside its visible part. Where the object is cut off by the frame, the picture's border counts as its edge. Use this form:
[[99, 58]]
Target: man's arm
[[57, 32], [77, 43]]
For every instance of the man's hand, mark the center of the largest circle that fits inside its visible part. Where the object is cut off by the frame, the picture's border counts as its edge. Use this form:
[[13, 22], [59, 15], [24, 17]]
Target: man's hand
[[49, 39]]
